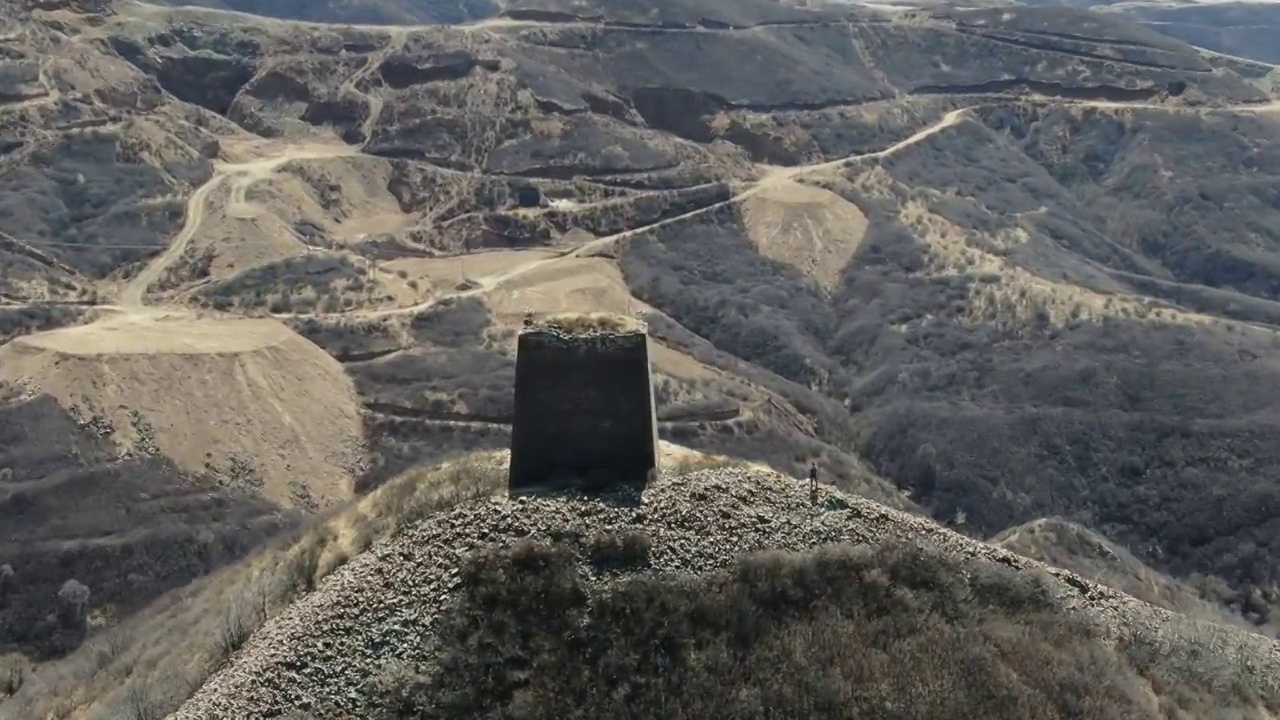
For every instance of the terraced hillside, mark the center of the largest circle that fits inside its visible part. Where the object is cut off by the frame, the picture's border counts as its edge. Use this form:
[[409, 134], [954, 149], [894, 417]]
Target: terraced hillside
[[1238, 28], [986, 265]]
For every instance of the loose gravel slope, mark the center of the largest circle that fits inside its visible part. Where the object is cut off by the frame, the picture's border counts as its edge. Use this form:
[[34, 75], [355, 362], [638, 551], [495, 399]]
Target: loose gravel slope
[[385, 604]]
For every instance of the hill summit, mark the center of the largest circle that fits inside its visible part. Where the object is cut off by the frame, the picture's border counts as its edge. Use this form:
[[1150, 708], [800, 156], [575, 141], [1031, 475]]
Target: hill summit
[[508, 579]]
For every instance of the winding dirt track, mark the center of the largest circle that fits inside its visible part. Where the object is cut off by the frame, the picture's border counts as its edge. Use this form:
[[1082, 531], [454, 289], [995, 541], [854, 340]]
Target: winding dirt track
[[776, 176], [132, 295], [395, 43], [772, 177], [242, 175]]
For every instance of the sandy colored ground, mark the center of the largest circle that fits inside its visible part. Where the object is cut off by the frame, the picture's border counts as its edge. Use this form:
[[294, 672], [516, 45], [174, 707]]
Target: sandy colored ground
[[568, 284], [447, 272], [161, 334], [211, 390], [246, 164], [809, 228]]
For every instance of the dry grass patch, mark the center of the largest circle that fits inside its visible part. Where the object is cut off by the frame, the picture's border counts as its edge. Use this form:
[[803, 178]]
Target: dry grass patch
[[149, 666], [1007, 294], [592, 323], [683, 463], [1067, 545], [547, 127]]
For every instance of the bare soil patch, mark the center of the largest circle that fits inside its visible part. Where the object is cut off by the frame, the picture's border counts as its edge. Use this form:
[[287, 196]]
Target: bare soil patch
[[248, 398]]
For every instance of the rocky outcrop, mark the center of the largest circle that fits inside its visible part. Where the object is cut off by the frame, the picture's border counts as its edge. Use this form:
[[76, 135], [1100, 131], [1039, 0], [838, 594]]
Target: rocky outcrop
[[208, 80], [83, 7], [19, 81]]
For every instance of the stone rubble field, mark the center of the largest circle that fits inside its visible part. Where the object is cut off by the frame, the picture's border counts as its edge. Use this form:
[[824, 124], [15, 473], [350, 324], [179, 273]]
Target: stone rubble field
[[384, 605]]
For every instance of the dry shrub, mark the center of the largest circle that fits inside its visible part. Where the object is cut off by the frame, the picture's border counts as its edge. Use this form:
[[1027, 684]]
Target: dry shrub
[[547, 127], [894, 632], [590, 323], [685, 463], [719, 123], [626, 550]]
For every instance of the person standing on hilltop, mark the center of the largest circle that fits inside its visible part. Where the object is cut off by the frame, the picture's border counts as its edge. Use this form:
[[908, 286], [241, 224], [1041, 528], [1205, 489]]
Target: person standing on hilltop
[[813, 478]]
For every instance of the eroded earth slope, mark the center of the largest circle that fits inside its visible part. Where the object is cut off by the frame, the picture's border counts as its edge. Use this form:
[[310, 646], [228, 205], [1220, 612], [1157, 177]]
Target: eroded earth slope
[[1009, 263]]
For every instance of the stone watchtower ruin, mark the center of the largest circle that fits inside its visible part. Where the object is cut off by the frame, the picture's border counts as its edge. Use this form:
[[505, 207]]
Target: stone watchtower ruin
[[584, 410]]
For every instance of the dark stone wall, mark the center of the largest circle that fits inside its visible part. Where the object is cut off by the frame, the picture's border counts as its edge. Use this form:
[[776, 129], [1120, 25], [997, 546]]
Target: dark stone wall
[[584, 412]]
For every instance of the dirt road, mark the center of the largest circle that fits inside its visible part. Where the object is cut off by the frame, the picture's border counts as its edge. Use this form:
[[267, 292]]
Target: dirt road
[[242, 175], [266, 156], [773, 177], [395, 43]]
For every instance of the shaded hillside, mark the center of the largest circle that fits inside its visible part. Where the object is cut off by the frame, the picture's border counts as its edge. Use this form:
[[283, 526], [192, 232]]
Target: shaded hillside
[[125, 530], [157, 659], [392, 12], [1017, 263], [1075, 548], [1245, 29], [1043, 315], [471, 126]]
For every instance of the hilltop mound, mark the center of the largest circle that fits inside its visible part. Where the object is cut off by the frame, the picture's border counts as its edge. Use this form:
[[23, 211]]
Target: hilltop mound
[[162, 655], [247, 400], [396, 603], [810, 229]]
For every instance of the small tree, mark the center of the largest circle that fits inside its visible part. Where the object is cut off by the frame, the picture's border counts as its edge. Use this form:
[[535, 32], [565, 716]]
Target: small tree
[[13, 681], [923, 472], [6, 582], [73, 603]]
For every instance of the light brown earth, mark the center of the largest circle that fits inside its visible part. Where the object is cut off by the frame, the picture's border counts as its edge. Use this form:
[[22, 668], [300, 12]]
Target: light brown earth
[[810, 228], [207, 391]]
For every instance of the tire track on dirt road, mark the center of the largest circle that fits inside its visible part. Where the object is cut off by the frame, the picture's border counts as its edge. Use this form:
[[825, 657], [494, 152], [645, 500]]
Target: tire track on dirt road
[[243, 175], [773, 177]]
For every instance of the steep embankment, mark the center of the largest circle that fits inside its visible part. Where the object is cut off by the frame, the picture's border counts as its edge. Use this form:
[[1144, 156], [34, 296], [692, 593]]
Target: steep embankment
[[125, 525]]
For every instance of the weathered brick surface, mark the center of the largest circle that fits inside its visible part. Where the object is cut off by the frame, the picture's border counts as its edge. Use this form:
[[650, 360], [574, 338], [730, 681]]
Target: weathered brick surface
[[584, 411]]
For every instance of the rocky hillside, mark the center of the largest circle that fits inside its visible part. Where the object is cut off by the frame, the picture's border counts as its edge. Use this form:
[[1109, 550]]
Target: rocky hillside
[[127, 526], [987, 265], [1238, 28], [1069, 546], [399, 607]]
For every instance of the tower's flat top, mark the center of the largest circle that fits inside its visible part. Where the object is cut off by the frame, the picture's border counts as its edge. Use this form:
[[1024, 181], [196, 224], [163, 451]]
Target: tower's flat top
[[572, 324]]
